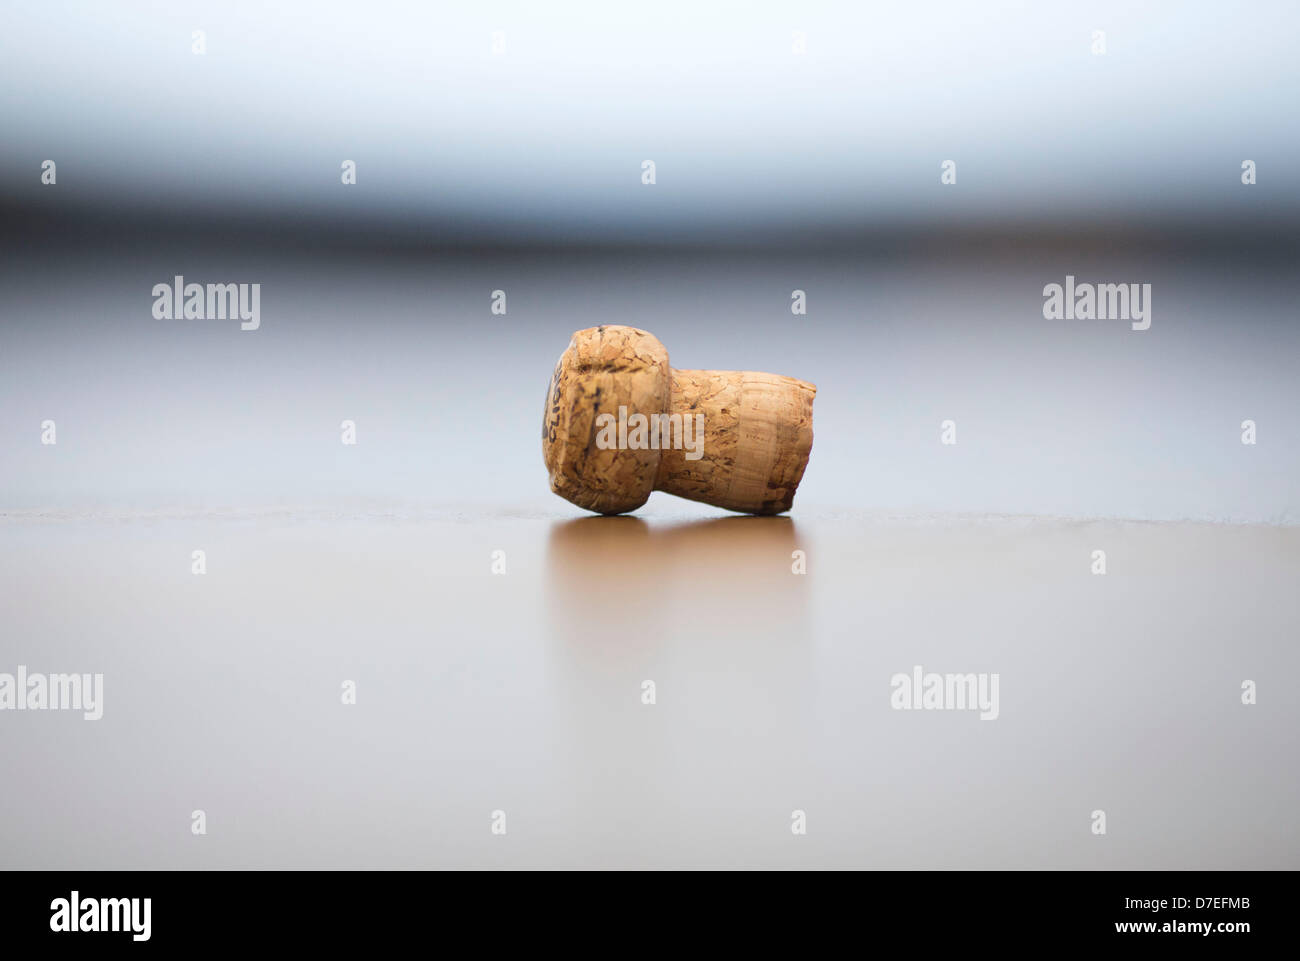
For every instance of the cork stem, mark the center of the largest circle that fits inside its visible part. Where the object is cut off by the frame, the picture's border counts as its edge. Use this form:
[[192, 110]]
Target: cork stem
[[757, 435]]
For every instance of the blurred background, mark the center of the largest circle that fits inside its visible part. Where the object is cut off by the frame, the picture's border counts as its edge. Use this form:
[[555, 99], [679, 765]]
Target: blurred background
[[500, 147], [754, 143], [796, 146]]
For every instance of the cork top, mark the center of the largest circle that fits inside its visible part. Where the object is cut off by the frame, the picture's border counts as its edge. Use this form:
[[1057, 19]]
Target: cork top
[[602, 369]]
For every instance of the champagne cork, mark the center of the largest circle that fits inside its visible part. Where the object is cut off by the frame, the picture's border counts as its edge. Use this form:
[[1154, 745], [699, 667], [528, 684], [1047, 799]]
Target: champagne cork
[[620, 423]]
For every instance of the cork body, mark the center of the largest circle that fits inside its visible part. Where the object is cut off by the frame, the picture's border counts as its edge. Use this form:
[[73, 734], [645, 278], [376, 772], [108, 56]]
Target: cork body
[[620, 423], [602, 369], [757, 439]]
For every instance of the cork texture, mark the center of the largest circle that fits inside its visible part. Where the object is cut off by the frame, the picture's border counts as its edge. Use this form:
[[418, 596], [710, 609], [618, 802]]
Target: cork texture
[[757, 428], [603, 368], [757, 439]]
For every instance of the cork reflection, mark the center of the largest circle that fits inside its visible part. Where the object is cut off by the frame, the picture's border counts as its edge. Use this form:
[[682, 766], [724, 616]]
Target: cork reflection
[[710, 613], [626, 577]]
